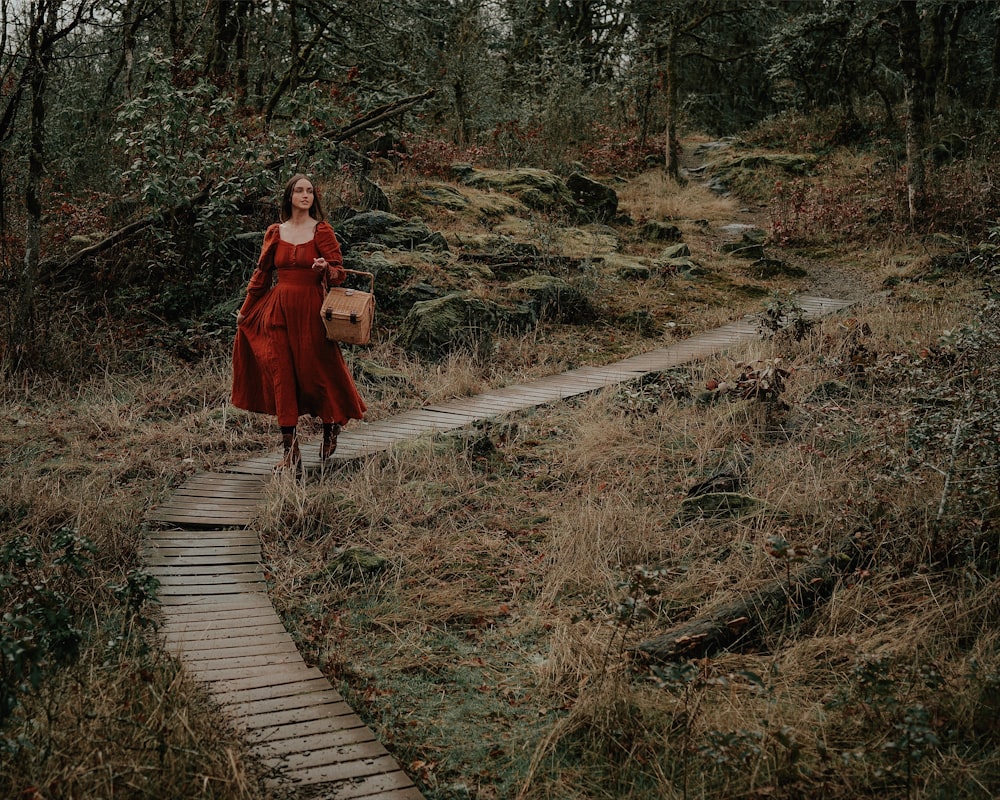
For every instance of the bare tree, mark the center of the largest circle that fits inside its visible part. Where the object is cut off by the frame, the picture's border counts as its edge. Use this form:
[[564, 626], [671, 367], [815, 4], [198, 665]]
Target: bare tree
[[915, 93], [49, 22]]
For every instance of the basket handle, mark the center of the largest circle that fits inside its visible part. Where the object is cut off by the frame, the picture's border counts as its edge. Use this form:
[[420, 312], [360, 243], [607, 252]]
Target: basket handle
[[371, 278]]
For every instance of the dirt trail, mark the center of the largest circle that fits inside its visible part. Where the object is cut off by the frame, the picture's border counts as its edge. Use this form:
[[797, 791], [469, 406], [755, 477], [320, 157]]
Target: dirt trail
[[826, 277]]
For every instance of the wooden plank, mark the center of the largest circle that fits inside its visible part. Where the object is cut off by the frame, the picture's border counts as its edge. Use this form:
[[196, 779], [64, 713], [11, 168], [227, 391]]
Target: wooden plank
[[219, 658], [202, 534], [319, 711], [485, 407], [182, 607], [325, 697], [202, 500], [208, 549], [237, 562], [199, 505], [208, 589], [218, 637], [408, 431], [570, 383], [424, 414], [270, 677], [218, 566], [278, 733], [225, 569], [179, 634], [291, 689], [232, 646], [247, 493], [204, 668], [192, 619], [315, 741], [342, 772], [195, 542], [244, 580], [253, 467], [335, 756], [204, 518], [394, 785], [221, 480]]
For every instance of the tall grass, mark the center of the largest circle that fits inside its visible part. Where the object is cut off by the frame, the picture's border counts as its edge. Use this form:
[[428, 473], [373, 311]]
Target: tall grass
[[477, 596], [102, 711], [513, 562]]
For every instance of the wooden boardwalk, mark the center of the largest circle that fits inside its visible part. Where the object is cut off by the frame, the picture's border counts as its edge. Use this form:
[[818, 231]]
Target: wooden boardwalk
[[218, 618]]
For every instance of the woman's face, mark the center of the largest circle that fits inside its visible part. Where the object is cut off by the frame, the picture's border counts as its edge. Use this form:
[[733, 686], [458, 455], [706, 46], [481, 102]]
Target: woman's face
[[302, 194]]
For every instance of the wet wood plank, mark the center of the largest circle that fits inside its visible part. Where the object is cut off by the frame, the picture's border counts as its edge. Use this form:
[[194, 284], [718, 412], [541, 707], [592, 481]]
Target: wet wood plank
[[206, 518]]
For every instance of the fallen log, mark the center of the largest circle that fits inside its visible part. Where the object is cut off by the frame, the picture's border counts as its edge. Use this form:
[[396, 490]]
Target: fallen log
[[745, 622], [373, 117]]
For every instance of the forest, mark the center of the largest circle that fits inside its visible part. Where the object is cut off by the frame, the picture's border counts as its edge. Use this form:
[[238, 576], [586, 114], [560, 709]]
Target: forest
[[505, 636]]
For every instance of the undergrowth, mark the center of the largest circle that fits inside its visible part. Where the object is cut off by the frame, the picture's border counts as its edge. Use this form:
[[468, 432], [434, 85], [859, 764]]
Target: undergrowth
[[479, 597], [520, 563]]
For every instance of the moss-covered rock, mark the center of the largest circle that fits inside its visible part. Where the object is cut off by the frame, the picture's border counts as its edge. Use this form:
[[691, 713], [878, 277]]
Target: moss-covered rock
[[459, 320], [388, 230], [553, 298], [656, 231], [536, 188], [595, 200]]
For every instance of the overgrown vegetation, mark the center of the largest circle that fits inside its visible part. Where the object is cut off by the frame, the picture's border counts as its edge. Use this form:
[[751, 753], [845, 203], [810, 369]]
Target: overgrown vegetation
[[481, 598]]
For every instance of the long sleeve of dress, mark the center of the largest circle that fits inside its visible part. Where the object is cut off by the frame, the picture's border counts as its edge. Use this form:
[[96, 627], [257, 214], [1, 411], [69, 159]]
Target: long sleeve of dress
[[260, 281], [329, 248]]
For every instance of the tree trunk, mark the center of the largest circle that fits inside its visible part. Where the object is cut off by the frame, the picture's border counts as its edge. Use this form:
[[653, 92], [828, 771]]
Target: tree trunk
[[747, 621], [994, 93], [915, 93], [670, 93], [22, 337]]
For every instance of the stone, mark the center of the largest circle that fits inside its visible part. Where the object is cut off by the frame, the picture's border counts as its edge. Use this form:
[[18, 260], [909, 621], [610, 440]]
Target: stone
[[655, 231], [553, 298], [388, 230], [457, 321], [751, 252], [675, 251], [595, 200], [536, 188]]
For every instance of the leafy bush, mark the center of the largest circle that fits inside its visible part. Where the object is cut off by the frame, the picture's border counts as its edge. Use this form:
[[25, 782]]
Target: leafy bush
[[38, 629]]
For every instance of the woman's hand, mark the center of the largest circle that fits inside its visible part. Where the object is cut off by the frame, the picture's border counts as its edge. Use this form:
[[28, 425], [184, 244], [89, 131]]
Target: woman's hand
[[239, 317], [320, 263]]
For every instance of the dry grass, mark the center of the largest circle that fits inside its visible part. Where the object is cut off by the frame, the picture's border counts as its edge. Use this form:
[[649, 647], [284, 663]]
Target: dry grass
[[506, 564], [474, 595], [90, 459]]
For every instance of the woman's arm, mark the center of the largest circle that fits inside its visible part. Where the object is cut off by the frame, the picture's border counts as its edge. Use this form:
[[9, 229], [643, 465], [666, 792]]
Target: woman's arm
[[260, 281], [329, 249]]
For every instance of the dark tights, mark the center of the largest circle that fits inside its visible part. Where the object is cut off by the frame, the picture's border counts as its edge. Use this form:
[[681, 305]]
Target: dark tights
[[289, 430]]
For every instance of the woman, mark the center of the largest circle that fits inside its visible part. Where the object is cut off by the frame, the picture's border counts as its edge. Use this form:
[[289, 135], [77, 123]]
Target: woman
[[283, 364]]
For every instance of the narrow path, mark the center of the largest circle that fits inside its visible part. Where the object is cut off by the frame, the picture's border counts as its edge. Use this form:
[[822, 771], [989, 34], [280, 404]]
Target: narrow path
[[218, 618]]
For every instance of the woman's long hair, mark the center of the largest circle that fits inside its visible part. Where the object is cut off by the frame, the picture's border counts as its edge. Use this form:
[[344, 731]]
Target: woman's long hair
[[315, 210]]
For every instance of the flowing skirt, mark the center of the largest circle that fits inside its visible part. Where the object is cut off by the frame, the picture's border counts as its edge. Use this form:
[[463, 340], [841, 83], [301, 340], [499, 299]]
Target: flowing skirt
[[284, 365]]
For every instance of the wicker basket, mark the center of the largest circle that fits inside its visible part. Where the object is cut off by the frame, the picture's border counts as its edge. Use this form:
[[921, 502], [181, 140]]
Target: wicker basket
[[348, 314]]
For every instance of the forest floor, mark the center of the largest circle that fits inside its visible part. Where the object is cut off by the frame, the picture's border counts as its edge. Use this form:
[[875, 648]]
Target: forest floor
[[476, 596], [487, 639]]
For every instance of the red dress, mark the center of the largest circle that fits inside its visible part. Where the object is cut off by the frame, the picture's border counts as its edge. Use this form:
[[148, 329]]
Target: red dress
[[283, 364]]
